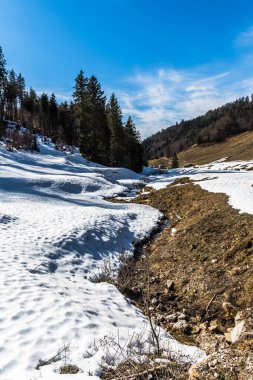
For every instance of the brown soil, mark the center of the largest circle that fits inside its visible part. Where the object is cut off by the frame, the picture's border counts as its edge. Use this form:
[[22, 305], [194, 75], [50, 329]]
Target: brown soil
[[198, 277], [209, 261]]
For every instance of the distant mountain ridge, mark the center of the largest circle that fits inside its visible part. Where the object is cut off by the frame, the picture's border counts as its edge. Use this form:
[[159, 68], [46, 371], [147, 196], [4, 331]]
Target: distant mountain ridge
[[213, 127]]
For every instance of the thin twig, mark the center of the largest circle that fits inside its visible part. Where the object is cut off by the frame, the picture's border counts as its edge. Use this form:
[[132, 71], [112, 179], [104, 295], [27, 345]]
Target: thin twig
[[210, 302]]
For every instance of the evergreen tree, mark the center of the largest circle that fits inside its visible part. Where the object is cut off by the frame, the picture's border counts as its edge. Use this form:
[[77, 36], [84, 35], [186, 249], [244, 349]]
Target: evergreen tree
[[114, 119], [174, 162], [66, 123], [44, 113], [81, 107], [31, 106], [99, 135], [87, 122], [3, 74], [20, 93], [53, 117], [11, 93], [133, 151]]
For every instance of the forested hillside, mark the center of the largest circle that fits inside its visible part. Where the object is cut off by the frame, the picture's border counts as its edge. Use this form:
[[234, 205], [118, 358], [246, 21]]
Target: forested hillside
[[89, 121], [213, 127]]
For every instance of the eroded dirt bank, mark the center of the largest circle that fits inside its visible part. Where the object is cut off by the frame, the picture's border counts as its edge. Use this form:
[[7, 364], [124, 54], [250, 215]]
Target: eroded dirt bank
[[200, 274]]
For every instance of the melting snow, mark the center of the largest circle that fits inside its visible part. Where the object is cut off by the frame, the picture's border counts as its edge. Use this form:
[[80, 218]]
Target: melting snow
[[232, 178], [55, 229]]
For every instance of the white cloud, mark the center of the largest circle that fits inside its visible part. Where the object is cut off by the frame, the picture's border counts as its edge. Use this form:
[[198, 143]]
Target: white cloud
[[159, 99], [245, 38], [60, 97]]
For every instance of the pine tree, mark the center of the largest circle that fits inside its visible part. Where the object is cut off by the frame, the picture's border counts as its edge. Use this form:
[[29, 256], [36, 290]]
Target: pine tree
[[133, 151], [114, 119], [174, 162], [11, 93], [20, 93], [44, 113], [53, 117], [3, 74], [31, 106], [87, 122], [66, 123], [82, 117], [99, 135], [80, 88]]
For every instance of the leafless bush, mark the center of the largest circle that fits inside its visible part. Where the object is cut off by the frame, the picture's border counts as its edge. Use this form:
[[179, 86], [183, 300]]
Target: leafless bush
[[62, 354], [108, 272], [104, 274], [141, 355], [138, 361]]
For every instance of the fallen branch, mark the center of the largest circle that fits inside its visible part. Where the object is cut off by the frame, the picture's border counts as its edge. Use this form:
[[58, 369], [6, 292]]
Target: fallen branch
[[33, 270], [54, 358]]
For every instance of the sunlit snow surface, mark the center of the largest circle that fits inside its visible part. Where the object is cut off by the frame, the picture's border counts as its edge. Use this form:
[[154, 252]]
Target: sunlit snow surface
[[55, 230], [232, 178]]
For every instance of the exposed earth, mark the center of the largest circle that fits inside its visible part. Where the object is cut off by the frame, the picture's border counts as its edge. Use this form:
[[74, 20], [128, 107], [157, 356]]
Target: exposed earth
[[200, 274]]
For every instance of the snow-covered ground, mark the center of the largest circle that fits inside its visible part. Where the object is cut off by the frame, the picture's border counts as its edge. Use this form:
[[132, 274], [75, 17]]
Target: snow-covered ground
[[56, 229], [232, 178]]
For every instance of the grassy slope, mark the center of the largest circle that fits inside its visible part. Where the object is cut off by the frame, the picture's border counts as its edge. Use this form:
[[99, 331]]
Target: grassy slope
[[238, 147]]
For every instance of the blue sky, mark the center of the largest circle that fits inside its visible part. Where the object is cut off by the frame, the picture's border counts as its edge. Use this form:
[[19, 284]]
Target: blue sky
[[165, 60]]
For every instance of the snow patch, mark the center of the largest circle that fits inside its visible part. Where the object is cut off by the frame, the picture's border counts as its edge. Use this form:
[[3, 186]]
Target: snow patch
[[55, 229], [232, 178]]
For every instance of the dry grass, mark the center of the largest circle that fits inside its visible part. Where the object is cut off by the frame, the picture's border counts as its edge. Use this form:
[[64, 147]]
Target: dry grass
[[210, 261], [239, 147], [209, 258], [148, 371]]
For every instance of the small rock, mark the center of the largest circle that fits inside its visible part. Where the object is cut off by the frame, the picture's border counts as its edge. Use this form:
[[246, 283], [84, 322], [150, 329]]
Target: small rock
[[229, 309], [203, 326], [171, 317], [161, 319], [180, 325], [181, 316], [214, 326], [154, 301], [170, 285], [235, 334]]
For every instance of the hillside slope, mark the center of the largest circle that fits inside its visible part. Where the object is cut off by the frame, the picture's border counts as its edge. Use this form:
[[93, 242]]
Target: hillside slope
[[215, 126], [238, 147]]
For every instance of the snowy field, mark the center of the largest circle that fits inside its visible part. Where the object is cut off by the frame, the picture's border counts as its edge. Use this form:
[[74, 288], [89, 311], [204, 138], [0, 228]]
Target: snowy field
[[232, 178], [56, 229]]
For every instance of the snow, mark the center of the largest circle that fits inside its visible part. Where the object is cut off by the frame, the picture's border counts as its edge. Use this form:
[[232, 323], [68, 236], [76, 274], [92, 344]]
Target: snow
[[56, 229], [232, 178]]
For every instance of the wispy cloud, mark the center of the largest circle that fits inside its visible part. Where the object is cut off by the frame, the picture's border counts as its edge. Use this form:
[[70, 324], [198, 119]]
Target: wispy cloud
[[245, 38], [159, 99], [60, 97]]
